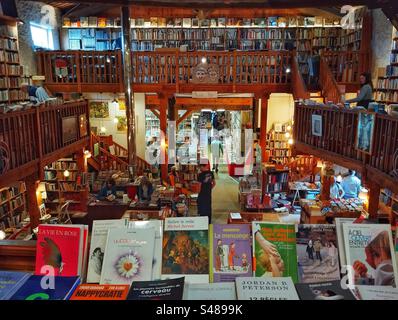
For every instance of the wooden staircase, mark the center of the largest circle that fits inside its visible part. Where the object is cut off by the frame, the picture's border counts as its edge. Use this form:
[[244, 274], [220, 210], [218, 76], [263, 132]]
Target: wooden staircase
[[304, 168]]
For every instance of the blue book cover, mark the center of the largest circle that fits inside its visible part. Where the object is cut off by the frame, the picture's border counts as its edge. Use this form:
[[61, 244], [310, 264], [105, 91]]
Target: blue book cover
[[41, 288], [10, 282]]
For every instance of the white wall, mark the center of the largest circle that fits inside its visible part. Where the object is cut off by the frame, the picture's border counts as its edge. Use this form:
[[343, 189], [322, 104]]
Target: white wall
[[139, 102], [280, 109]]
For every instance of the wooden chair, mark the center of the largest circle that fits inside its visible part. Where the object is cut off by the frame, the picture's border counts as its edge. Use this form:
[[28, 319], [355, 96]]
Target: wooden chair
[[63, 213]]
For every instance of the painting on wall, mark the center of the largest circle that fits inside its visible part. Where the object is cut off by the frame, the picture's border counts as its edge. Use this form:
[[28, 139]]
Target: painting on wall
[[316, 125], [122, 104], [121, 124], [69, 129], [365, 128], [99, 109]]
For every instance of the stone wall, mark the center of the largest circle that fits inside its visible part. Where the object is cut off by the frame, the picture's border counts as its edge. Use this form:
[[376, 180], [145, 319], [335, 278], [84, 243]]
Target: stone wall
[[40, 13]]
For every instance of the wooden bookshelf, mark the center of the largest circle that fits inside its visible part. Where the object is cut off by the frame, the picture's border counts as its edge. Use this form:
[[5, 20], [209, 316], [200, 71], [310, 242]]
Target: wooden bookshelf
[[388, 206], [277, 147], [13, 206], [275, 180]]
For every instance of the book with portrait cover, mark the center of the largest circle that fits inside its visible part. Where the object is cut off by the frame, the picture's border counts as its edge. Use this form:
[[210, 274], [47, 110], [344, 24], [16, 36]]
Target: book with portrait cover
[[47, 288], [186, 249], [128, 256], [317, 253], [331, 290], [99, 235], [157, 256], [210, 291], [11, 281], [100, 292], [274, 250], [340, 240], [266, 288], [230, 248], [375, 293], [171, 289], [60, 247], [370, 254]]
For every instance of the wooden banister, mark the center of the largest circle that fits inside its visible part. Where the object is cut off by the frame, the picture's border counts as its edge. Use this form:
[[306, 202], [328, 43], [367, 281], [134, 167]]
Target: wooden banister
[[299, 87], [330, 88]]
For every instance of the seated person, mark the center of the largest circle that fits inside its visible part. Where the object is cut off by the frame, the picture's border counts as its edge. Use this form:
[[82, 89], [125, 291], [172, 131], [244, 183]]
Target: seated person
[[173, 177], [145, 189], [108, 191], [36, 94]]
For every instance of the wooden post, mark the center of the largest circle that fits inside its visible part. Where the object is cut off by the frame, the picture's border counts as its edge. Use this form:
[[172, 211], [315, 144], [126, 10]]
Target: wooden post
[[374, 195], [163, 137], [263, 126], [32, 183]]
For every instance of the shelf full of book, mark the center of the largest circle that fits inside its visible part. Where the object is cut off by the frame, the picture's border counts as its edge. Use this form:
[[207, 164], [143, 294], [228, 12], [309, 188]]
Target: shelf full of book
[[275, 180], [278, 143]]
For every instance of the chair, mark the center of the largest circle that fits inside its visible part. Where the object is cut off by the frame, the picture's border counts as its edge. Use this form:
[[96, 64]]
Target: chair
[[63, 213]]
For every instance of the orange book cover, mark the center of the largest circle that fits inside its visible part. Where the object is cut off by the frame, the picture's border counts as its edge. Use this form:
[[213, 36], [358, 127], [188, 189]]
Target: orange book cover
[[102, 22], [100, 292]]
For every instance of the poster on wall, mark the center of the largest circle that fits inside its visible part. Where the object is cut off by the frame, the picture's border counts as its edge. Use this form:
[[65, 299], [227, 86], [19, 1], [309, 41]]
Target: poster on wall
[[99, 109], [121, 124], [316, 125], [69, 129], [365, 128]]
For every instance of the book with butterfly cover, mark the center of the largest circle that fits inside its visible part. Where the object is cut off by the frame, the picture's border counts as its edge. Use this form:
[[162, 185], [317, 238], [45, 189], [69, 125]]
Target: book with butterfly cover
[[47, 288], [128, 256], [10, 282], [99, 236], [60, 247]]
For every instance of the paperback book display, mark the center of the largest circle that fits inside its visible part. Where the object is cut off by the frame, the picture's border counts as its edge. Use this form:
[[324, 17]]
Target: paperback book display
[[210, 291], [100, 292], [324, 291], [171, 289]]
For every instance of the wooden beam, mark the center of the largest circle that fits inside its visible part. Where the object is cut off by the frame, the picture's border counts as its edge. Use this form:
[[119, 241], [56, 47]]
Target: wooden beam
[[220, 102], [17, 255], [152, 100], [184, 116], [19, 173], [375, 176], [155, 112], [198, 108]]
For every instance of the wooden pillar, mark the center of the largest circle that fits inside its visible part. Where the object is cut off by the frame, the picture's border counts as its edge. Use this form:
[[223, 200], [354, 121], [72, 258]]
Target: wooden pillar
[[163, 137], [327, 179], [374, 195], [172, 112], [263, 126], [32, 183]]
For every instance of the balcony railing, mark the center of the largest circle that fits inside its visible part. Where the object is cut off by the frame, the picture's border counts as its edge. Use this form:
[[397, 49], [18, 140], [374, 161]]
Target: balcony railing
[[338, 136]]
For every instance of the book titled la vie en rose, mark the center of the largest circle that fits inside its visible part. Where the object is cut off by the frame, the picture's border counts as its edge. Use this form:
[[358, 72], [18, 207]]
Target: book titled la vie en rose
[[60, 247]]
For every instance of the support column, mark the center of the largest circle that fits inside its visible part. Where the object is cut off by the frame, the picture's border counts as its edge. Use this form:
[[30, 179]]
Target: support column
[[374, 194], [163, 137], [32, 183], [263, 126], [128, 88]]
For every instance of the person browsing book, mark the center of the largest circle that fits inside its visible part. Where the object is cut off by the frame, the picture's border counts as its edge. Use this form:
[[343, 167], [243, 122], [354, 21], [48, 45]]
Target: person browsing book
[[365, 95], [207, 183], [145, 189], [37, 94], [108, 191], [351, 185]]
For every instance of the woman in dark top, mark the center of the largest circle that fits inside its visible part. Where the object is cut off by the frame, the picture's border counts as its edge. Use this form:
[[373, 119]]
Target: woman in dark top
[[206, 179], [365, 95], [107, 190]]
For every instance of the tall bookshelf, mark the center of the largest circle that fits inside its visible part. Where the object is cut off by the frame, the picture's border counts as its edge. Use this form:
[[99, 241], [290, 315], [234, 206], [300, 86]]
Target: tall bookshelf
[[64, 182], [152, 125], [275, 180], [388, 206], [387, 86], [13, 206], [278, 147]]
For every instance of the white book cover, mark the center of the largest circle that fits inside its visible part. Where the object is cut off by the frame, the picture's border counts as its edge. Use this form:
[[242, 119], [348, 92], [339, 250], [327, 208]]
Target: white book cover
[[267, 288], [210, 291], [85, 253], [186, 249], [128, 256], [370, 254], [340, 240], [157, 257], [99, 235], [375, 293]]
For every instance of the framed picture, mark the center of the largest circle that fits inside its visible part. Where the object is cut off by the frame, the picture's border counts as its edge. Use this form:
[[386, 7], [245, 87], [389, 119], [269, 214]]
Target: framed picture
[[83, 125], [69, 129], [278, 127], [42, 209], [121, 124], [316, 125], [99, 109], [365, 129], [122, 104]]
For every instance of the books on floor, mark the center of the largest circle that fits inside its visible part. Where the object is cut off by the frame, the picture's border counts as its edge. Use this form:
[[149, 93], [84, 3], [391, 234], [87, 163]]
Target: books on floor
[[170, 289], [265, 288], [331, 290], [370, 254], [10, 282], [274, 250], [230, 247], [210, 291], [100, 292], [317, 253], [186, 249]]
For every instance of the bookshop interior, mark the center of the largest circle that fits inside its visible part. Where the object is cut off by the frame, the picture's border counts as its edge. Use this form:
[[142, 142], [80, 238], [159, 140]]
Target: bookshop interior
[[199, 150]]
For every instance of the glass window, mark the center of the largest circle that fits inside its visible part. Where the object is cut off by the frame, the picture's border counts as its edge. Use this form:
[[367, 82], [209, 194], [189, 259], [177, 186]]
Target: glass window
[[42, 36]]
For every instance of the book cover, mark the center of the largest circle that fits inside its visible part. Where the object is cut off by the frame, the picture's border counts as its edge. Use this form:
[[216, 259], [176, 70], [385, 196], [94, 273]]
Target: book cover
[[102, 22], [100, 292], [47, 288], [221, 22], [186, 23], [99, 236], [340, 240], [85, 253], [195, 22], [92, 22], [309, 21], [128, 256], [171, 289], [66, 22], [177, 22], [110, 23], [318, 21], [370, 254], [84, 22], [230, 252], [267, 288], [153, 21], [161, 22], [170, 22], [375, 293], [210, 291], [60, 247], [282, 22], [10, 282], [331, 290], [157, 256], [274, 250], [317, 253], [213, 23], [292, 21], [186, 249], [272, 21]]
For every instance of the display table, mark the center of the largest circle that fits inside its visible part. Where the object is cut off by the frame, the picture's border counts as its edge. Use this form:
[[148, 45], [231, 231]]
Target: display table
[[248, 217]]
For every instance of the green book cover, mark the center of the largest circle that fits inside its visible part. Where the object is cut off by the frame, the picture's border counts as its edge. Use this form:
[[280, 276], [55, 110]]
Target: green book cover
[[274, 250], [211, 239]]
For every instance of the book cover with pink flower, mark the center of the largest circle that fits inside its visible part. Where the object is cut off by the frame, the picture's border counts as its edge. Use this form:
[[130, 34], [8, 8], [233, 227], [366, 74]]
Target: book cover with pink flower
[[128, 256]]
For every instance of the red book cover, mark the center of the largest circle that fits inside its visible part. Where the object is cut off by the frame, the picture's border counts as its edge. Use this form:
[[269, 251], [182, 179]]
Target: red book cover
[[101, 292], [61, 247]]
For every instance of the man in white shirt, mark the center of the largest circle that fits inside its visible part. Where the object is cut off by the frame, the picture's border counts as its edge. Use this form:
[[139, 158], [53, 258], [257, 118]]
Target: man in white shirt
[[351, 185], [216, 152]]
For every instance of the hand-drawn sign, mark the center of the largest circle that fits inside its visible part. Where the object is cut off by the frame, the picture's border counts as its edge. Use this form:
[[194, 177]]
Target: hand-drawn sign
[[206, 73]]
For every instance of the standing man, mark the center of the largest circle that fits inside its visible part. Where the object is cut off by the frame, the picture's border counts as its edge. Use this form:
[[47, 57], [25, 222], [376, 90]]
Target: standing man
[[351, 185], [216, 152], [207, 183]]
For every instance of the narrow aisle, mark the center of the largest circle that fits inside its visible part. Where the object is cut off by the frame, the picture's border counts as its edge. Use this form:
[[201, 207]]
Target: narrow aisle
[[224, 197]]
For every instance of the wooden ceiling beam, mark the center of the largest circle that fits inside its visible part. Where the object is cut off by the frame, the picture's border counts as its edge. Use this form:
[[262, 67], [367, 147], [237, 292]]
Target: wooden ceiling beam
[[216, 102]]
